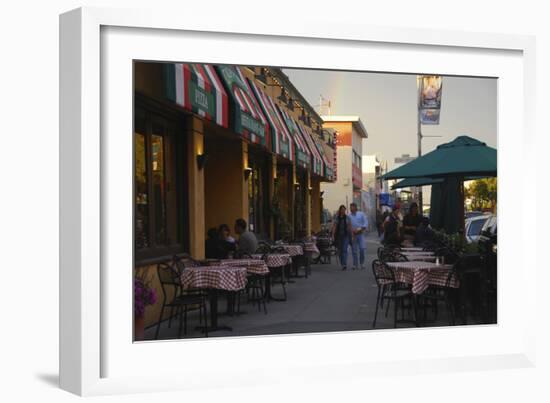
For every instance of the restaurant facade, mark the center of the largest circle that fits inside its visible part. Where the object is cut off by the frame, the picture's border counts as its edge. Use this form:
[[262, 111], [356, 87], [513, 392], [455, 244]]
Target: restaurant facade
[[214, 143]]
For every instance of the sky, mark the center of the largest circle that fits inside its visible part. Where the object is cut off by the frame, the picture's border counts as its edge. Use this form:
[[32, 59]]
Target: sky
[[387, 106]]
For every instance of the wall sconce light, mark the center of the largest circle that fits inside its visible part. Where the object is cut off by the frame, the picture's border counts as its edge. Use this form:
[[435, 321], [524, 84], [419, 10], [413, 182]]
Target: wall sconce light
[[310, 189], [283, 97], [201, 160], [261, 76], [303, 116], [290, 104], [247, 173]]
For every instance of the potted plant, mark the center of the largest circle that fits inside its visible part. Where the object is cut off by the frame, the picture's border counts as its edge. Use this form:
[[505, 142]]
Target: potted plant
[[144, 295]]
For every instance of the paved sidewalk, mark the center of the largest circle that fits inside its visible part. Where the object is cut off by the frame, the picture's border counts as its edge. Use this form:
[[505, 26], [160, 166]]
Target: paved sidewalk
[[329, 300]]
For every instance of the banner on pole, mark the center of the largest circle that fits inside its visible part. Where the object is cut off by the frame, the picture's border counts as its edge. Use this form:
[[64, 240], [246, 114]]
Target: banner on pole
[[430, 93], [429, 116]]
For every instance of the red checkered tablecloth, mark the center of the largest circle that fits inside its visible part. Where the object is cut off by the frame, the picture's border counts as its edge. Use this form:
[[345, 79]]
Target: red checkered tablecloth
[[219, 277], [311, 247], [422, 274], [412, 249], [293, 250], [413, 257], [275, 259], [253, 266]]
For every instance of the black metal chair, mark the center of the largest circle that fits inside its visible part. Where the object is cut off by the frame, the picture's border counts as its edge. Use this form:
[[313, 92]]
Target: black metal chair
[[178, 298], [263, 247], [326, 250], [277, 275], [389, 291]]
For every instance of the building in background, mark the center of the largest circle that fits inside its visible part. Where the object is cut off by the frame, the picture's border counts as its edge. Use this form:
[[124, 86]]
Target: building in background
[[372, 187], [349, 176]]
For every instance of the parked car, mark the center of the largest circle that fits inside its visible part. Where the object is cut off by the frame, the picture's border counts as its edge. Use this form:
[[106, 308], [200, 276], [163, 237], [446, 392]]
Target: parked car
[[474, 226], [488, 236], [470, 214]]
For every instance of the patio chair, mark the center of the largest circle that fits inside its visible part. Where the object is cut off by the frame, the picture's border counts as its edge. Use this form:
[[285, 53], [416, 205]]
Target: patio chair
[[388, 291], [173, 296], [263, 247], [326, 250], [277, 274]]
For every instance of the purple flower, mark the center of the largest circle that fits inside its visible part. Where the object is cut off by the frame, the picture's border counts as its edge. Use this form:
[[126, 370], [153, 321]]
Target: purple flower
[[143, 296]]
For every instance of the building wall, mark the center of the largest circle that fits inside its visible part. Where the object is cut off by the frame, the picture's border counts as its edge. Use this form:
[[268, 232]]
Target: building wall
[[315, 205], [341, 191], [224, 198]]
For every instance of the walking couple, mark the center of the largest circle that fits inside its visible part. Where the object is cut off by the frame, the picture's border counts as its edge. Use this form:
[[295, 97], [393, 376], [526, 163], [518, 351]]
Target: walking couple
[[350, 229]]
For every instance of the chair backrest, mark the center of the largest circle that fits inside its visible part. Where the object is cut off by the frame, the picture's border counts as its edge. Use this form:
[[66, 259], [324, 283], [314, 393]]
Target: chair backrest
[[168, 277], [398, 257], [263, 247], [182, 261], [278, 249], [382, 273]]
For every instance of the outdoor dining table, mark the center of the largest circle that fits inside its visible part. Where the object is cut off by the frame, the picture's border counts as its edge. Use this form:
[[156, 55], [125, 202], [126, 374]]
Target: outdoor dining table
[[292, 250], [411, 249], [214, 278], [420, 275], [274, 261], [420, 257], [253, 266]]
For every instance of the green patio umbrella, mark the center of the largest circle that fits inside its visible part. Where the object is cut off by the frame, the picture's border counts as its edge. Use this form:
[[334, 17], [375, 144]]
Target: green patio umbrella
[[412, 182], [447, 167], [464, 156]]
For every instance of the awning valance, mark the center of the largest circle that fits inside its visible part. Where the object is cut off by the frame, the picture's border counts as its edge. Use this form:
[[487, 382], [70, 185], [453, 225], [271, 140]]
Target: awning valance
[[329, 170], [198, 89], [281, 140], [302, 153], [317, 160], [247, 116]]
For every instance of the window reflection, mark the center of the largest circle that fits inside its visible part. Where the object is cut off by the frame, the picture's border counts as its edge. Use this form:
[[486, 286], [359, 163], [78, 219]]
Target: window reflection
[[142, 222]]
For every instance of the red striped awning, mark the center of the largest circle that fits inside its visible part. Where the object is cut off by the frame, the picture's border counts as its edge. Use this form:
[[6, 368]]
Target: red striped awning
[[248, 118], [198, 89], [281, 140], [317, 166], [302, 153]]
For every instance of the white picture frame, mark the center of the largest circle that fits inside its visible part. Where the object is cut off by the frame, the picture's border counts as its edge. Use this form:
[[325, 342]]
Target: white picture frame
[[96, 354]]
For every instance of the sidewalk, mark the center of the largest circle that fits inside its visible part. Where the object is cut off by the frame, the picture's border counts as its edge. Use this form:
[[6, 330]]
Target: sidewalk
[[329, 300]]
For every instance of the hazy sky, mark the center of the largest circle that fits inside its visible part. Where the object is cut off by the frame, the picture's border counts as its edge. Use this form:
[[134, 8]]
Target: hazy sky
[[387, 106]]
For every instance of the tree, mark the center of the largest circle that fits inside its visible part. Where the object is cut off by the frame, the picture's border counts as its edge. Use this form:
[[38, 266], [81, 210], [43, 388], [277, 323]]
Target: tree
[[482, 194]]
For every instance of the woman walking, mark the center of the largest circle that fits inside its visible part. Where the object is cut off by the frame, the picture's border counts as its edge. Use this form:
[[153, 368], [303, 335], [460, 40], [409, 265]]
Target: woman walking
[[341, 234]]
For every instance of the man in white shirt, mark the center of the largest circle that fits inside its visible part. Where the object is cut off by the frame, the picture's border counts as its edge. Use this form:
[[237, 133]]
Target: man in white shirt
[[359, 225]]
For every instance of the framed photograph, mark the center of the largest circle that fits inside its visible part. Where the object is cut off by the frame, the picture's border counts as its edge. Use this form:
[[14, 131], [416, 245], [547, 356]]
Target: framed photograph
[[203, 167]]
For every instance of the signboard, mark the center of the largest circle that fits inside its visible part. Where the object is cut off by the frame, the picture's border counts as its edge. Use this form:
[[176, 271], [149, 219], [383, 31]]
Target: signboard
[[404, 159], [248, 118]]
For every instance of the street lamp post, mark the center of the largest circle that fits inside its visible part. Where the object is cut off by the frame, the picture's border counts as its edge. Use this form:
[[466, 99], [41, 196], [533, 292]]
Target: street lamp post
[[419, 138]]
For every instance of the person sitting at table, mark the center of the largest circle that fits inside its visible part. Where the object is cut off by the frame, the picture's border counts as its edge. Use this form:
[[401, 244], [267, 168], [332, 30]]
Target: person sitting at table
[[212, 247], [424, 233], [228, 245], [225, 233], [411, 221], [248, 243], [392, 232]]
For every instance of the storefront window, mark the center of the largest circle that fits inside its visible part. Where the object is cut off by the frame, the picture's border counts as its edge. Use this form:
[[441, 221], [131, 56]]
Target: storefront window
[[156, 198], [142, 224], [258, 197]]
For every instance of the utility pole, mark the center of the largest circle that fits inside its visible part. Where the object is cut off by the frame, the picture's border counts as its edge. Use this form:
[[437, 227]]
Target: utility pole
[[419, 135]]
